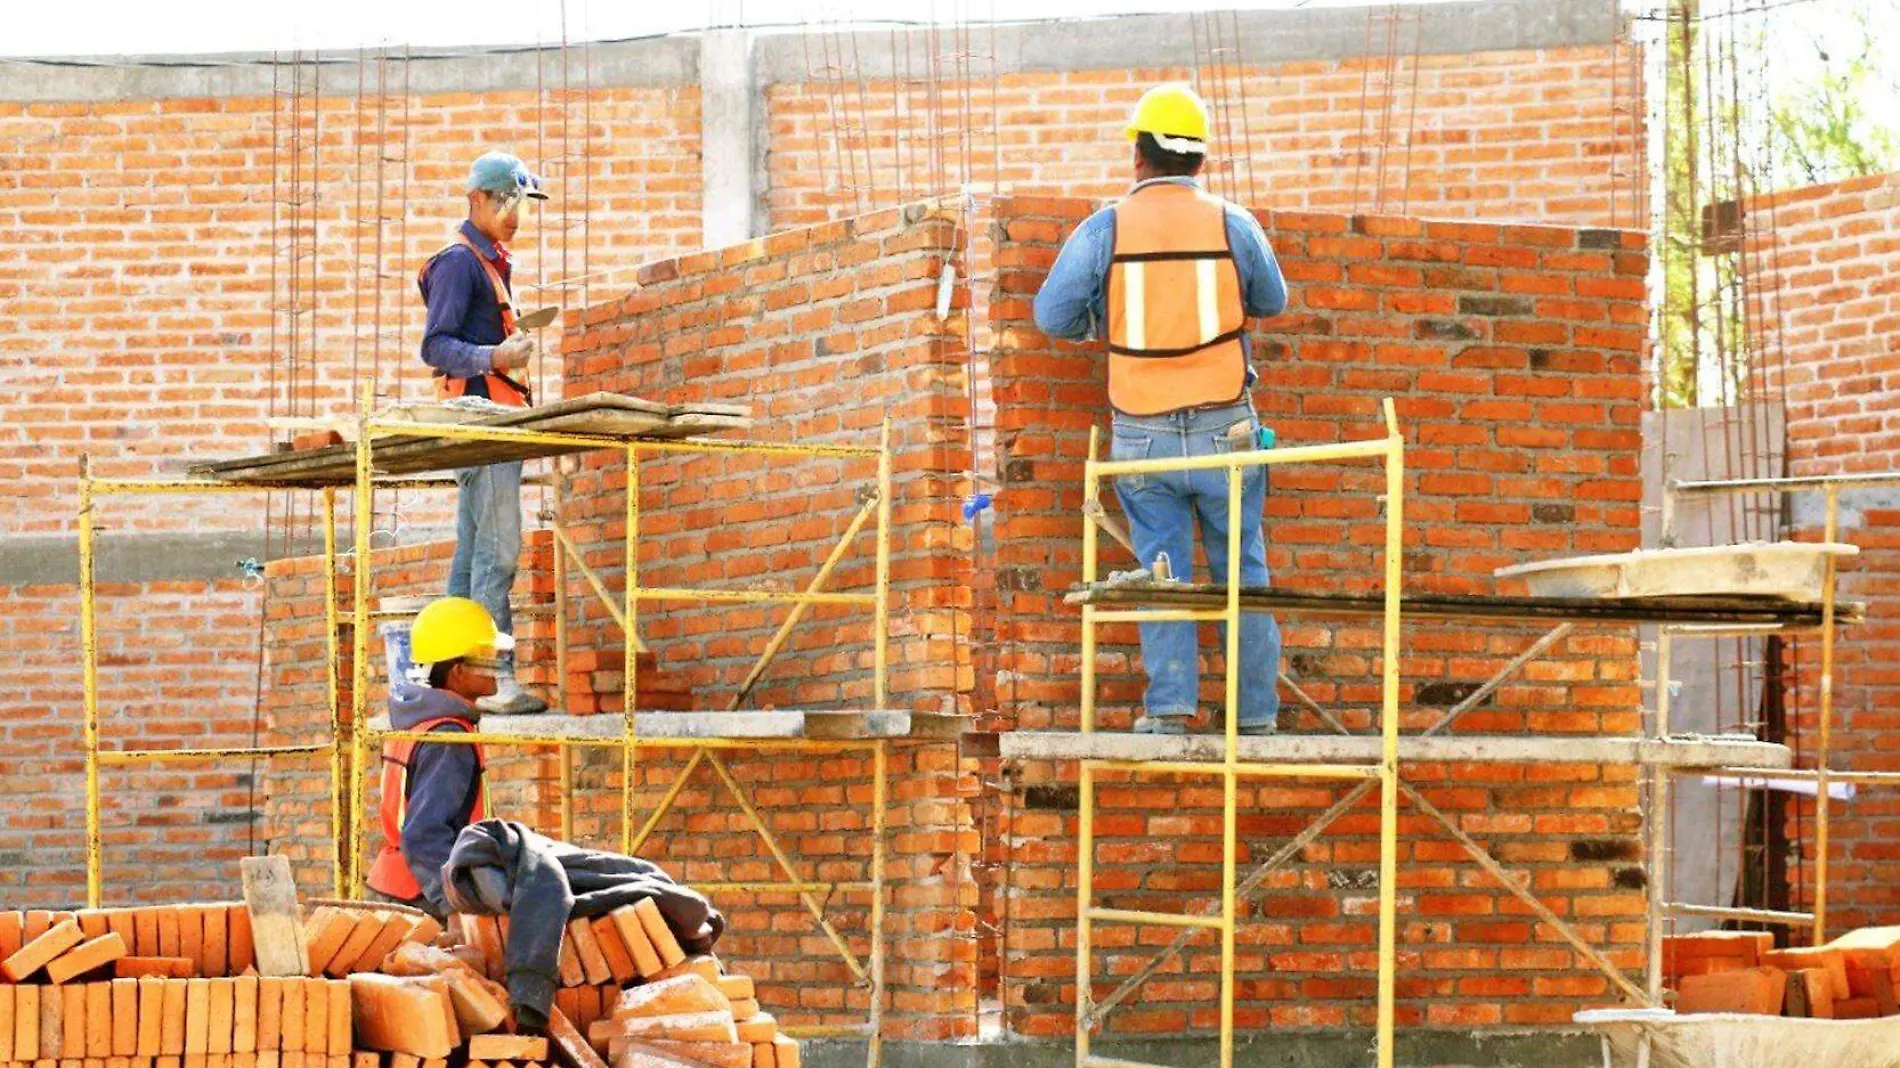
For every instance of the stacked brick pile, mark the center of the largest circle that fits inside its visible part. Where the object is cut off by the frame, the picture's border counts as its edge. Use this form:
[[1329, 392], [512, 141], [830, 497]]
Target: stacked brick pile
[[177, 987], [170, 987], [1853, 977], [623, 977]]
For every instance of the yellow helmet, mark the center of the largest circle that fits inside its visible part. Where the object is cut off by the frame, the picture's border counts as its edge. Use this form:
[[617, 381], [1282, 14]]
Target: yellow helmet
[[454, 627], [1175, 114]]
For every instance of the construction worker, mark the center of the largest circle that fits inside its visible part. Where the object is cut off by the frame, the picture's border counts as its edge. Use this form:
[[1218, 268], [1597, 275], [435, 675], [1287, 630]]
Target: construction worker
[[472, 344], [431, 790], [1169, 276]]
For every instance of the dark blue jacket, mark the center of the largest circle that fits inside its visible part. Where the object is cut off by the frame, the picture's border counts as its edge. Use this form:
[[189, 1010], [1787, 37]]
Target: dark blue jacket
[[444, 781], [464, 322]]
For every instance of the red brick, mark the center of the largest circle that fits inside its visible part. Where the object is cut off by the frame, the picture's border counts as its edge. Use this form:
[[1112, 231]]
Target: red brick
[[403, 1015], [1748, 990]]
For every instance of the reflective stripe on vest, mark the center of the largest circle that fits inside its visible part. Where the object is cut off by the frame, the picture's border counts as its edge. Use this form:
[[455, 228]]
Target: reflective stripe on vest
[[390, 874], [498, 387], [1175, 308]]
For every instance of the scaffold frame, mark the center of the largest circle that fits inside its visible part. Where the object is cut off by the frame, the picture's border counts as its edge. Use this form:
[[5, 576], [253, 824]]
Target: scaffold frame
[[354, 738], [1390, 449]]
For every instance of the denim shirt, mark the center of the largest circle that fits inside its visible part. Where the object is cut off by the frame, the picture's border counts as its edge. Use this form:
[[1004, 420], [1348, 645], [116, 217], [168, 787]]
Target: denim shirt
[[1072, 303], [464, 323]]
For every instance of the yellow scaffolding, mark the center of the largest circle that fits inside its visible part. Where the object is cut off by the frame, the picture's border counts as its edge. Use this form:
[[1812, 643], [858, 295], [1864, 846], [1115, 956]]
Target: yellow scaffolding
[[1658, 752], [1823, 772], [1391, 450], [349, 824]]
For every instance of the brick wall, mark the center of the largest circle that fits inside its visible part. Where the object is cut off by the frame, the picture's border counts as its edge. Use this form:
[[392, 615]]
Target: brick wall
[[143, 240], [145, 243], [1537, 134], [1513, 354], [824, 332], [177, 669], [1821, 264], [143, 263]]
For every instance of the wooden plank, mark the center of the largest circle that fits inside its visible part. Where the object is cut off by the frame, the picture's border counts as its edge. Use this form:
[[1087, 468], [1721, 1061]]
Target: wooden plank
[[1470, 606], [600, 414], [277, 935]]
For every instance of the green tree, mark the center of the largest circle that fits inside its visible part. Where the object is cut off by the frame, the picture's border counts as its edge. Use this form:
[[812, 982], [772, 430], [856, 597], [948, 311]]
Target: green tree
[[1823, 127]]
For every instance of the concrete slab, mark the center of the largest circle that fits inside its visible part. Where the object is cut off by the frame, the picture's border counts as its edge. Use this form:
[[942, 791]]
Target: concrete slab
[[1682, 752], [662, 728]]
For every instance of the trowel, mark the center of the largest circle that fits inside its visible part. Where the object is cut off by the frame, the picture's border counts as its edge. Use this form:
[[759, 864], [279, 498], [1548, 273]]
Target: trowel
[[537, 318]]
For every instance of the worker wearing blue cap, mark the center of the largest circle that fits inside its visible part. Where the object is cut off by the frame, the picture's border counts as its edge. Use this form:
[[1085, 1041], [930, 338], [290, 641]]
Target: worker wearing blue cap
[[472, 345]]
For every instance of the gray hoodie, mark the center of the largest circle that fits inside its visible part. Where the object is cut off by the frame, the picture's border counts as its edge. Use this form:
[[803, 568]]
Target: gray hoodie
[[444, 781]]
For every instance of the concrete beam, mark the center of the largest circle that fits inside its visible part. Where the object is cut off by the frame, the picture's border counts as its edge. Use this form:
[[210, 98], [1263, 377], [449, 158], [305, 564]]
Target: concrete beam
[[1265, 38], [1698, 752], [732, 140], [667, 62], [132, 557], [1119, 42]]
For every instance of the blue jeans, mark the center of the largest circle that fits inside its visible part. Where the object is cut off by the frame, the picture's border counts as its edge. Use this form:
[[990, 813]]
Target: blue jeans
[[1162, 510], [487, 538]]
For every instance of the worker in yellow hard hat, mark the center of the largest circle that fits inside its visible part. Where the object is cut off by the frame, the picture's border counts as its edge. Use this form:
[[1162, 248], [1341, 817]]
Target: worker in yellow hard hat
[[1169, 277], [431, 790]]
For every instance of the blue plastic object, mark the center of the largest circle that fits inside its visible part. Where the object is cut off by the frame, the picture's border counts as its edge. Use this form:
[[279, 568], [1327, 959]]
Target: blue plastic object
[[976, 504], [1264, 437]]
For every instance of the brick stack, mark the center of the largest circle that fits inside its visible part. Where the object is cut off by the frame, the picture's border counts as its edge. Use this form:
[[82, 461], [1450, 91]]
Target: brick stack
[[176, 987], [639, 999], [159, 987], [1853, 977]]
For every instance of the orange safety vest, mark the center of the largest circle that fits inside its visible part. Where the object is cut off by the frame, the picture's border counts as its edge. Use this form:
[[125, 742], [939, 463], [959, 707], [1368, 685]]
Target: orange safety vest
[[390, 873], [501, 388], [1175, 309]]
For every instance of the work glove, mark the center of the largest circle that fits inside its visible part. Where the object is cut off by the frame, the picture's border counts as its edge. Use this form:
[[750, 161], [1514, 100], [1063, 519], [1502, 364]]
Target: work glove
[[511, 354]]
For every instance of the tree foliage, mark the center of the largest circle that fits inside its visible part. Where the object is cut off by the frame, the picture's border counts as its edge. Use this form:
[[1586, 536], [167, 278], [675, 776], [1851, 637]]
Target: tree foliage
[[1824, 128]]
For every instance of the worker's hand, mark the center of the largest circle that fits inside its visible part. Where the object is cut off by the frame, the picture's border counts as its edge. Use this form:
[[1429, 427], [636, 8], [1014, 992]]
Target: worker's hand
[[512, 354]]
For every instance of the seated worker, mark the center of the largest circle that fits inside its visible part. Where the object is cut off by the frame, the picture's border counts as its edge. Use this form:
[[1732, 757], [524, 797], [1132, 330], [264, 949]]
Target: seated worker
[[433, 790]]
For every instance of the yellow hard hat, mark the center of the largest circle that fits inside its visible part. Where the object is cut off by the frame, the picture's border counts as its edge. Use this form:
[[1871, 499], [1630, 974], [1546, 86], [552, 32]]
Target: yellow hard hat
[[454, 627], [1175, 114]]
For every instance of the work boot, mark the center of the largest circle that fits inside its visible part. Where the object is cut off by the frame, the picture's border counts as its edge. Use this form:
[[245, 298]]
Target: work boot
[[510, 699], [1173, 725]]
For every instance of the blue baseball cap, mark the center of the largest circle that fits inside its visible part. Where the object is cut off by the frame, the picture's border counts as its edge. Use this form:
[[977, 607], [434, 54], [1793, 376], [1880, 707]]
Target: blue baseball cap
[[500, 172]]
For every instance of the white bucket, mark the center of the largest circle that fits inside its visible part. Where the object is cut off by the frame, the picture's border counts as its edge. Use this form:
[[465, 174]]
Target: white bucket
[[395, 634], [396, 650]]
